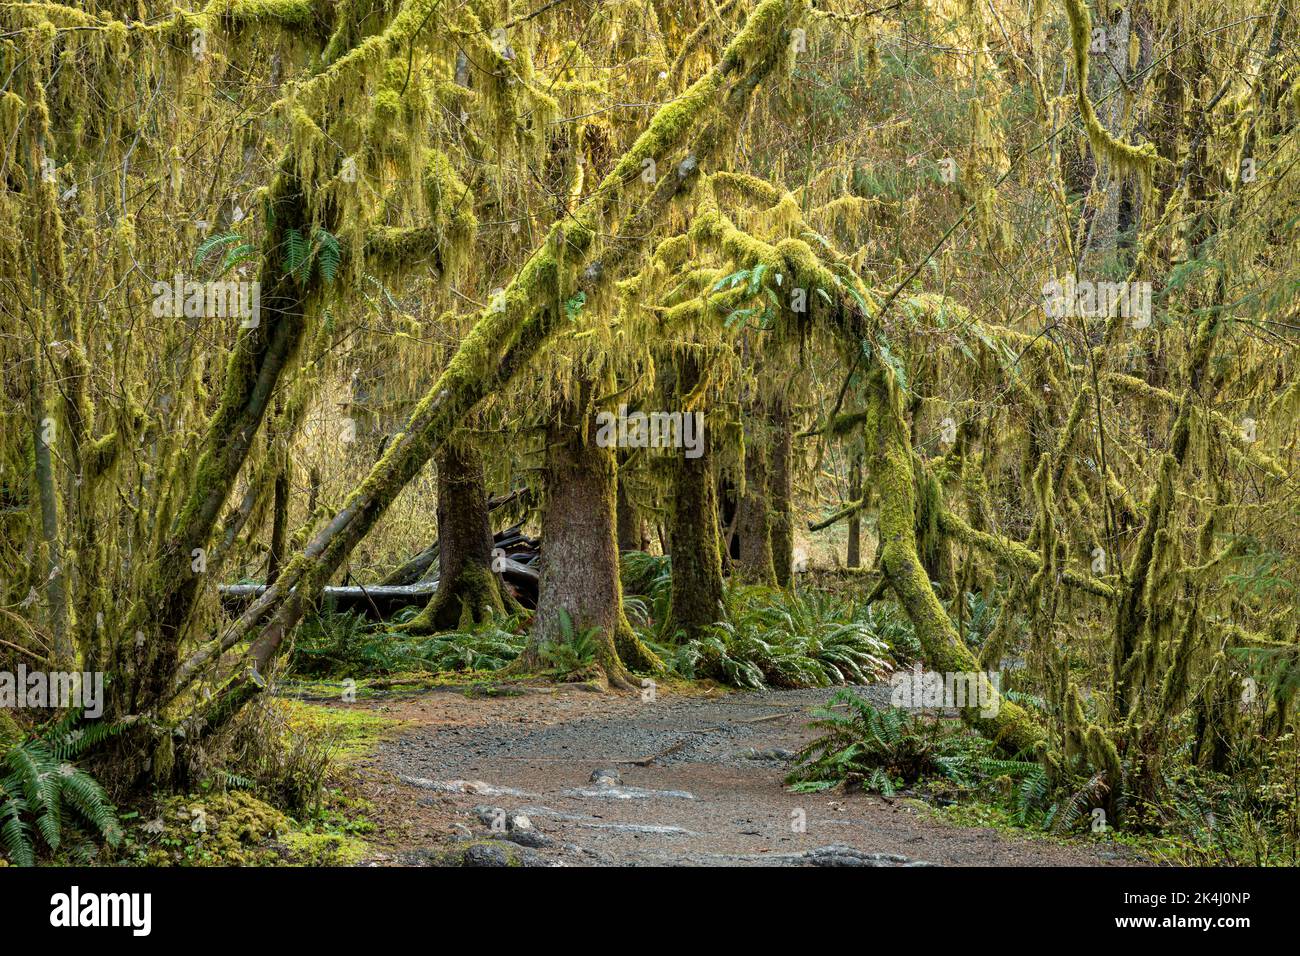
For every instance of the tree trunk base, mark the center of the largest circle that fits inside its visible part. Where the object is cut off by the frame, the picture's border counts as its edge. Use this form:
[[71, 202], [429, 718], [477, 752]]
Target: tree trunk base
[[473, 597]]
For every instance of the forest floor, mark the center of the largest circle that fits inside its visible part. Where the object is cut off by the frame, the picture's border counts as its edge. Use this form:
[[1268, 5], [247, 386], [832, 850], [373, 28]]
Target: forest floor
[[609, 779]]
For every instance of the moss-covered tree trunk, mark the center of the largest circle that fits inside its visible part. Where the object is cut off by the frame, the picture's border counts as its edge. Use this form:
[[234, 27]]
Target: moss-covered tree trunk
[[468, 591], [942, 647], [854, 556], [629, 522], [753, 510], [782, 491], [279, 522], [43, 431], [580, 579], [254, 366], [696, 559]]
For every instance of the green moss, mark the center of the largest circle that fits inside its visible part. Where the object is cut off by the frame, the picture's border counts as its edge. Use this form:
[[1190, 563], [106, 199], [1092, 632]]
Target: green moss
[[472, 598], [457, 856], [238, 14], [10, 732], [235, 829], [229, 829], [358, 731], [325, 849], [386, 106], [1127, 158], [1011, 727]]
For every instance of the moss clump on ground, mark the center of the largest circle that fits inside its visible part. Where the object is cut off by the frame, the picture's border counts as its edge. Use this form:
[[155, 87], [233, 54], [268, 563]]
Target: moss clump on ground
[[237, 829], [325, 849]]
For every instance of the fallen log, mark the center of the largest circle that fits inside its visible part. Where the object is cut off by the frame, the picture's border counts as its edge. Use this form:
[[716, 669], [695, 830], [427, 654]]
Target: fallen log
[[374, 600], [380, 601]]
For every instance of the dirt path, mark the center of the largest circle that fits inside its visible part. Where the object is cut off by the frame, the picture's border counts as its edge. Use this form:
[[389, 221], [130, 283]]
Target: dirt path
[[452, 784]]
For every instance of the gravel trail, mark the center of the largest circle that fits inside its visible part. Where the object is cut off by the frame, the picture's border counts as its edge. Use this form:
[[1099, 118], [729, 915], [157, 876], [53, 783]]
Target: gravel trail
[[561, 775]]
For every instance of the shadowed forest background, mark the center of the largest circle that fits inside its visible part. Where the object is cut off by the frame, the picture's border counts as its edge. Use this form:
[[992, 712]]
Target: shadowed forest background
[[314, 314]]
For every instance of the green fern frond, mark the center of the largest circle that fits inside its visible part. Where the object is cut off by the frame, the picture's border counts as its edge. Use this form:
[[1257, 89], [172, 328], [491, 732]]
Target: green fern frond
[[213, 243]]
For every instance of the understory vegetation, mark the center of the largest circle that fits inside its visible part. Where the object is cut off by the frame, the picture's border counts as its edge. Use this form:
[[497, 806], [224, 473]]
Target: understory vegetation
[[938, 355]]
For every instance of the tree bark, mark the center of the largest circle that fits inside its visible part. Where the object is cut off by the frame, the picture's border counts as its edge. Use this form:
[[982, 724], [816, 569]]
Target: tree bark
[[854, 557], [696, 561], [580, 578], [629, 523], [467, 589], [754, 517], [781, 488]]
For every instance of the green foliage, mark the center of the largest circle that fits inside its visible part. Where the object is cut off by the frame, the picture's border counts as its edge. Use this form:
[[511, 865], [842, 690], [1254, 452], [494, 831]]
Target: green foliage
[[647, 587], [573, 306], [981, 617], [878, 750], [573, 653], [486, 648], [888, 624], [773, 638], [1247, 815], [321, 251], [1258, 573], [263, 752], [43, 795], [232, 242], [346, 645], [884, 750]]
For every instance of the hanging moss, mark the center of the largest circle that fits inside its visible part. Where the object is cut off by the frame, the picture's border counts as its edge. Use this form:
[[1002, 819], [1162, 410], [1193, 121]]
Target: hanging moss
[[1125, 157]]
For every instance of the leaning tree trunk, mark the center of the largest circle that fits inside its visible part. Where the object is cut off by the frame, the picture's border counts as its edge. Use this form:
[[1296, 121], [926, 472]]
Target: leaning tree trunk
[[580, 579], [780, 486], [467, 589], [279, 521], [696, 561]]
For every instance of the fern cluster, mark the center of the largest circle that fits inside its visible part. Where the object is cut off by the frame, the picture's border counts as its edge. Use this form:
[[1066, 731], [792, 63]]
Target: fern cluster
[[573, 652], [647, 588], [884, 750], [43, 795], [347, 645], [773, 638]]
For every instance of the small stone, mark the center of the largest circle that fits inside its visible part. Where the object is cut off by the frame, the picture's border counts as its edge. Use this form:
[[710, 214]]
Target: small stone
[[838, 854], [485, 854], [529, 838], [773, 753], [518, 821], [607, 777]]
